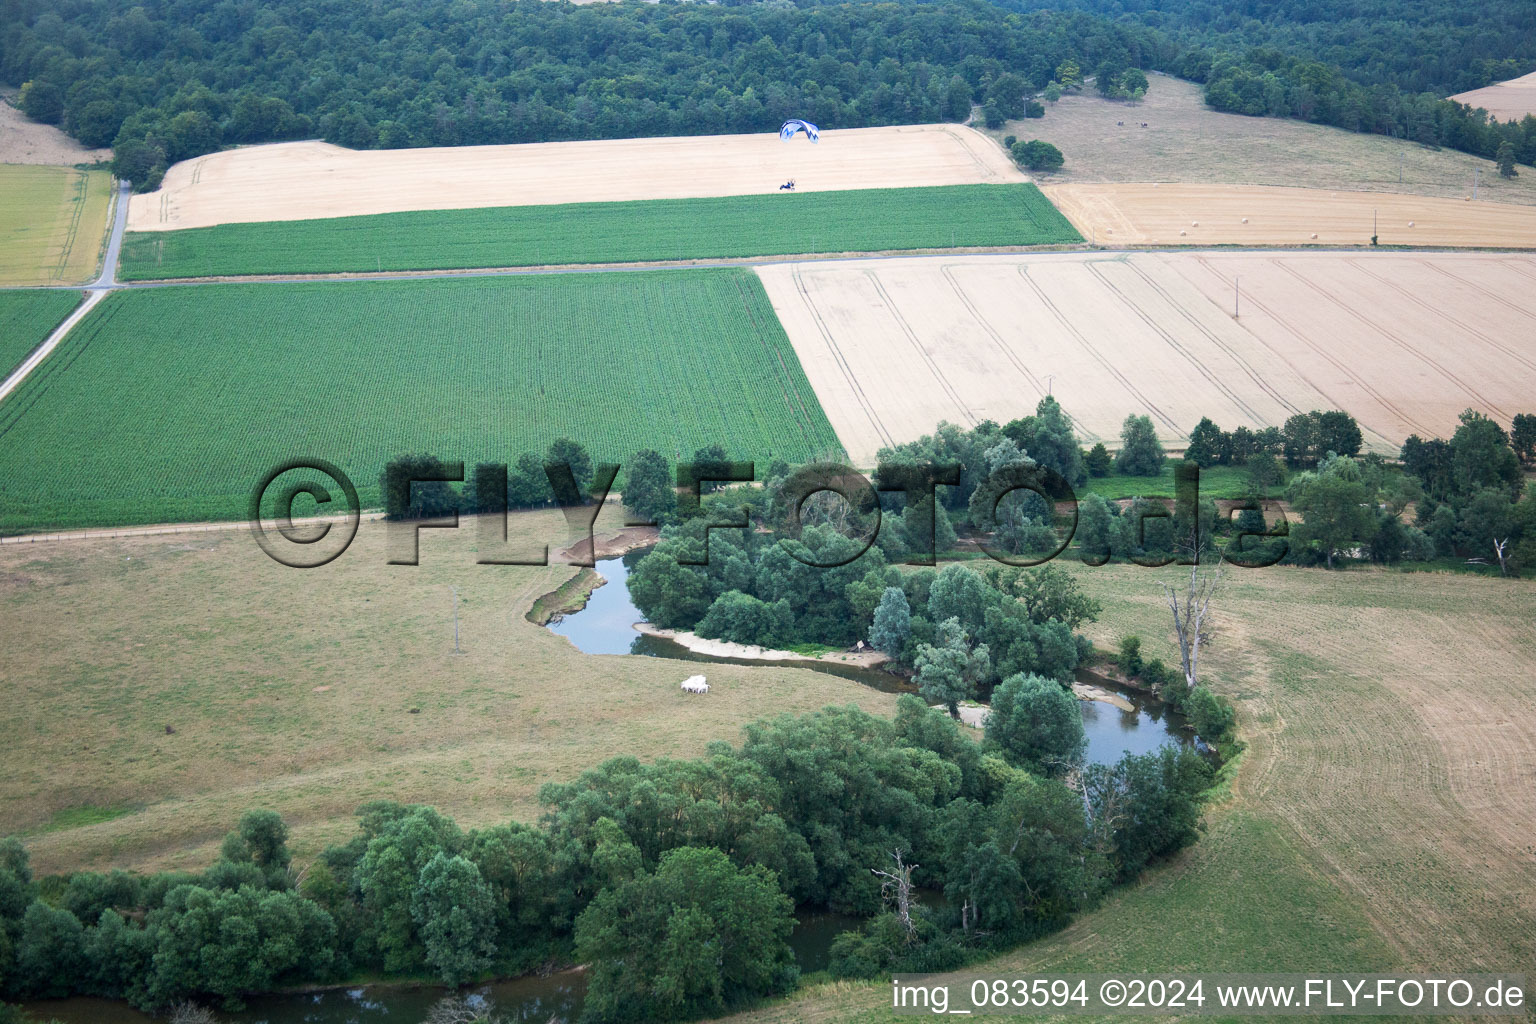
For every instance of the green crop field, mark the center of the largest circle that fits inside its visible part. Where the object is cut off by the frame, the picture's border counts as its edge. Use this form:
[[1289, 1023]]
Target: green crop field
[[660, 229], [26, 317], [53, 221], [170, 404]]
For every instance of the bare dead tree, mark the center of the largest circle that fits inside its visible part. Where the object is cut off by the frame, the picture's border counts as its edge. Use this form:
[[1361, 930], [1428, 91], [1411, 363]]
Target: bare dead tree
[[896, 887], [1499, 548], [1190, 609], [460, 1010]]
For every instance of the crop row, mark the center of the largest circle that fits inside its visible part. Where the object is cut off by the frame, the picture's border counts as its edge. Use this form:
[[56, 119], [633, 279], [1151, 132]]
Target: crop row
[[170, 404], [659, 229], [26, 318]]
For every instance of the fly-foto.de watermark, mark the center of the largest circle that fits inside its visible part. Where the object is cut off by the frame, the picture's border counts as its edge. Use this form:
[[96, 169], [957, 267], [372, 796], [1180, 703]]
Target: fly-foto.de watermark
[[321, 540]]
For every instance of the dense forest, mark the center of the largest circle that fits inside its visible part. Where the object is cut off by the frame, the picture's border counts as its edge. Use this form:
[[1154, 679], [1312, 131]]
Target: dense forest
[[166, 80], [675, 881]]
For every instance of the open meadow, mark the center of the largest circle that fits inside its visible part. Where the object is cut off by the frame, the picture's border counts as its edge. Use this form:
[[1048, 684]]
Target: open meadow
[[1153, 334], [304, 180], [295, 689], [1183, 214], [1186, 141], [26, 318], [640, 231], [169, 404], [1382, 817], [24, 141], [53, 221]]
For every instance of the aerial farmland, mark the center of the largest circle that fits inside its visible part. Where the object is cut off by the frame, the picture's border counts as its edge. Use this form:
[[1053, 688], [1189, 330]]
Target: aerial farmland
[[592, 349]]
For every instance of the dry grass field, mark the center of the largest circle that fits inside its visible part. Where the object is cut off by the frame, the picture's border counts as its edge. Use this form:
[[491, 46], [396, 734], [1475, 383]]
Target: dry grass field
[[892, 347], [1506, 101], [294, 690], [1184, 214], [24, 141], [53, 222], [1187, 141], [306, 180], [1384, 816]]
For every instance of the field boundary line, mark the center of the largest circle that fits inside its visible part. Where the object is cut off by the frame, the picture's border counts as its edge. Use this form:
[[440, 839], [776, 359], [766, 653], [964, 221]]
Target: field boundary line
[[792, 398], [1442, 314], [42, 351], [1329, 294], [1096, 269], [917, 344], [1253, 375], [840, 358], [1088, 346], [1348, 374]]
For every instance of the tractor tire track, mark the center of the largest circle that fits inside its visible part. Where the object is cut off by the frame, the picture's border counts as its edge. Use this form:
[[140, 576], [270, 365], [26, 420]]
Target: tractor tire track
[[1345, 371], [841, 359], [1089, 348], [1443, 315], [1215, 339], [1095, 268], [1487, 293], [1328, 294], [933, 367]]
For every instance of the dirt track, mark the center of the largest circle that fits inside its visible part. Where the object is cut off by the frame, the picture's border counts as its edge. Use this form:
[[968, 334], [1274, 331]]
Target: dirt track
[[1404, 342], [307, 180], [1182, 214]]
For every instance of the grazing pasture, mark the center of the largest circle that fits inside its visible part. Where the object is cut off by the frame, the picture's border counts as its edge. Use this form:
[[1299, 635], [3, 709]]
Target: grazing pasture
[[893, 347], [1186, 141], [26, 318], [641, 231], [1382, 817], [170, 404], [304, 180], [1204, 215], [294, 689], [53, 221]]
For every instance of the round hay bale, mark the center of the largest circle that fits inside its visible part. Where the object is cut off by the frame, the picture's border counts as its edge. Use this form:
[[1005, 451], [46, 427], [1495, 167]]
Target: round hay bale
[[1182, 232], [1245, 220], [1410, 223], [1314, 234], [1194, 223]]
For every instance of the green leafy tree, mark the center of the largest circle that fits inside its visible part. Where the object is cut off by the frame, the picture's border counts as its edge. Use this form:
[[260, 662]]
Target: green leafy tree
[[892, 624], [694, 938], [948, 671], [1098, 460], [455, 911], [649, 488], [1481, 455], [1036, 724], [1522, 436], [1141, 453], [1264, 472], [1334, 504], [50, 952], [571, 453], [1204, 444], [261, 838], [1054, 444], [1505, 158], [1095, 530], [957, 99], [1038, 155]]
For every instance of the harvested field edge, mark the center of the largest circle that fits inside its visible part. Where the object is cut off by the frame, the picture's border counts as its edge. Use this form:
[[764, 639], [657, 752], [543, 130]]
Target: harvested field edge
[[635, 232]]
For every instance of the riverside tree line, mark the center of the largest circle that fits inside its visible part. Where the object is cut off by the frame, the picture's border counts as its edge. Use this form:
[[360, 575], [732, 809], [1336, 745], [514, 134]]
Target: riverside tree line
[[676, 881]]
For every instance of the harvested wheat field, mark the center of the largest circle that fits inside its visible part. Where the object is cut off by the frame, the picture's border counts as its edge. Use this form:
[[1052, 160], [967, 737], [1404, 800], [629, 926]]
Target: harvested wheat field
[[1506, 101], [306, 180], [1404, 342], [1182, 214]]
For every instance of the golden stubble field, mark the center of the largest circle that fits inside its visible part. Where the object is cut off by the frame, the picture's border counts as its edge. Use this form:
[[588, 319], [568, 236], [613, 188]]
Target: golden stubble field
[[1506, 101], [1383, 818], [1404, 342], [294, 690], [1152, 213], [306, 180], [53, 223]]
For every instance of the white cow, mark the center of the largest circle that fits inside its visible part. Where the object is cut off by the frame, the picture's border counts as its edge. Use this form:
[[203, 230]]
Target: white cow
[[695, 684]]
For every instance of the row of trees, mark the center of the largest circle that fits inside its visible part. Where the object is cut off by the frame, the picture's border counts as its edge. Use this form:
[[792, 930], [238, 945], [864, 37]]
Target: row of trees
[[675, 881]]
